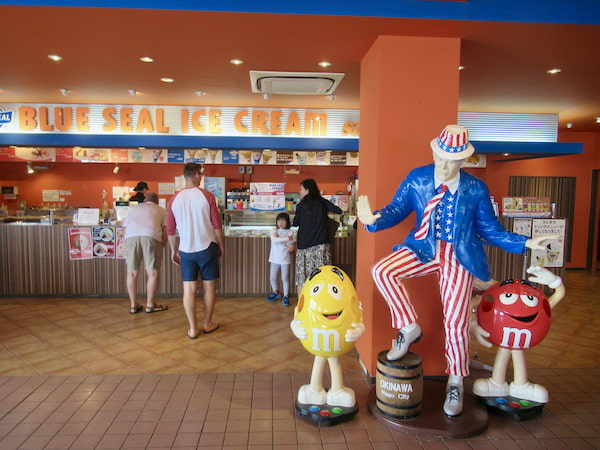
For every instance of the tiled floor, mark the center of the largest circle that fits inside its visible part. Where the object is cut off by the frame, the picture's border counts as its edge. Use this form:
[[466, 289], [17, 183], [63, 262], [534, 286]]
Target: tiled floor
[[82, 373]]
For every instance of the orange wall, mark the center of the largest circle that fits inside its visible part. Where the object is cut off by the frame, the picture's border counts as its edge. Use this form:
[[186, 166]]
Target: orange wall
[[86, 181], [408, 93], [581, 166]]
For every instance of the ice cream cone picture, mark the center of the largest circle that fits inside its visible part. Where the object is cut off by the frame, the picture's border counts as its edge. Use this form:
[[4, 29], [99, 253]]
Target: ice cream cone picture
[[267, 155], [213, 155], [247, 155]]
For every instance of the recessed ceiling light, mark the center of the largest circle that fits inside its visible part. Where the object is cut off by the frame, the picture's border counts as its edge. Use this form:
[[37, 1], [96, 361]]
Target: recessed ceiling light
[[146, 59], [132, 92], [200, 93], [167, 80], [65, 92], [553, 71], [461, 67], [569, 125], [236, 62], [597, 119], [55, 57], [324, 64]]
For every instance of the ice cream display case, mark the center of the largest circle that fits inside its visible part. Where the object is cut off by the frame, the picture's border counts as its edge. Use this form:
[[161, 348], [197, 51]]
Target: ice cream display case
[[248, 223]]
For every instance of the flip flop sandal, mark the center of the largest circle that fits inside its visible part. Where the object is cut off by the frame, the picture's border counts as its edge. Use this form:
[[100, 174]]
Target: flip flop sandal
[[136, 310], [156, 308], [190, 336], [210, 331]]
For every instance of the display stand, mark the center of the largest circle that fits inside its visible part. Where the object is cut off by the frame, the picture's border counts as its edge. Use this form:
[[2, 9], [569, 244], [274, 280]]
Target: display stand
[[432, 421], [326, 415]]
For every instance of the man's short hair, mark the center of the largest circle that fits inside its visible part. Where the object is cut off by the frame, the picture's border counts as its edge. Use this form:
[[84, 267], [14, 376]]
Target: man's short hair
[[191, 169], [151, 197]]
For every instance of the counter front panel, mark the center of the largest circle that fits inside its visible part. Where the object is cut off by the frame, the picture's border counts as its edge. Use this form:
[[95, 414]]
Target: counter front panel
[[35, 262]]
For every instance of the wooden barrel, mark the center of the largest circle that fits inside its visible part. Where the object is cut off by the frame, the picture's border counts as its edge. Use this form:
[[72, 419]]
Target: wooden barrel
[[399, 386]]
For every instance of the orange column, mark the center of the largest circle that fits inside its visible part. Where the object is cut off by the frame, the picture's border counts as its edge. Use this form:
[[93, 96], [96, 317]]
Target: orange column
[[408, 93]]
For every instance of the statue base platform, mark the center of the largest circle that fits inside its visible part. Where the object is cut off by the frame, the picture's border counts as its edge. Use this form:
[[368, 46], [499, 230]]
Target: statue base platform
[[516, 408], [431, 420], [326, 415]]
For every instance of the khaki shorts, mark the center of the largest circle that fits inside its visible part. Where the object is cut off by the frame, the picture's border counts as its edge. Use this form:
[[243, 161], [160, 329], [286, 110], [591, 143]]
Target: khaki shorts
[[138, 247]]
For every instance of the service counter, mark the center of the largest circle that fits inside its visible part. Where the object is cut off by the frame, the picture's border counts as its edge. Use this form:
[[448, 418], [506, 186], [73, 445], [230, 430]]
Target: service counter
[[34, 261]]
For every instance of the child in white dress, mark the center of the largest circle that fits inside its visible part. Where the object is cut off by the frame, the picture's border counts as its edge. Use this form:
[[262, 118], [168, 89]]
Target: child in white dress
[[282, 248]]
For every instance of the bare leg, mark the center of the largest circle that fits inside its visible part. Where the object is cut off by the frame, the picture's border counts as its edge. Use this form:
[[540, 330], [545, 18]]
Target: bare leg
[[151, 287], [210, 296], [189, 305], [132, 287]]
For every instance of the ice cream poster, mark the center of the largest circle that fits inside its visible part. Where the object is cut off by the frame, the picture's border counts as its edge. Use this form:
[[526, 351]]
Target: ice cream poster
[[103, 239], [80, 243]]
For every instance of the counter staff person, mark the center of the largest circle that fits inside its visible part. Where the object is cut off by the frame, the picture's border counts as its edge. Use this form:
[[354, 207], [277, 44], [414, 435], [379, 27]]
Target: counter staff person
[[192, 213], [145, 238], [141, 189], [454, 218]]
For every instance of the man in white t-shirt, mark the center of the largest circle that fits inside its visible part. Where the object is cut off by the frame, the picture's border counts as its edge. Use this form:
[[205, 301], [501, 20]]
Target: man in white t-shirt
[[196, 239], [145, 237]]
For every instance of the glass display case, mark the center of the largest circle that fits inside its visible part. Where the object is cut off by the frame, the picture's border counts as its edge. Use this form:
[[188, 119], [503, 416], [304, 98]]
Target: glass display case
[[260, 223], [41, 215]]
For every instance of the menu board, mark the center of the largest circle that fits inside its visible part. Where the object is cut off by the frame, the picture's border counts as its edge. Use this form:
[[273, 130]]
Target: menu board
[[526, 207], [103, 239], [80, 243]]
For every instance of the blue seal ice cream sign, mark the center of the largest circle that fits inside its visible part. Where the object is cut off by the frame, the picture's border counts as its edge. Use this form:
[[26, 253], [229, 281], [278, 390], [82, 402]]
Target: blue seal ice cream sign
[[5, 117]]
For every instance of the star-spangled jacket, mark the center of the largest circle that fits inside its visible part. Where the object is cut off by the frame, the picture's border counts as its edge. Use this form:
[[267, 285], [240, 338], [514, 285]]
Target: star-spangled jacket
[[475, 222]]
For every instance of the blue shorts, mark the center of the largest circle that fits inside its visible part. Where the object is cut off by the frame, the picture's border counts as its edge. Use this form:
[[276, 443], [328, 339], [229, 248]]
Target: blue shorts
[[205, 263]]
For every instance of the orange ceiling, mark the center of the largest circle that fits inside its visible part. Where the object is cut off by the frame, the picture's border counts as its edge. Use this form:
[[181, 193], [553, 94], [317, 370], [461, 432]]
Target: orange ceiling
[[505, 63]]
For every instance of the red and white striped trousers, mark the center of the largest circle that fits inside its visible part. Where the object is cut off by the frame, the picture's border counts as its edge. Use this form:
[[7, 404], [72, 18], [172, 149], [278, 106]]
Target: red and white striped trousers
[[456, 284]]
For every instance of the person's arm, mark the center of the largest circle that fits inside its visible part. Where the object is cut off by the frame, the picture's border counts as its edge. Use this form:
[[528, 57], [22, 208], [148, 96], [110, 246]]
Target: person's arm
[[333, 208], [174, 244], [215, 219], [219, 236], [275, 237], [171, 228]]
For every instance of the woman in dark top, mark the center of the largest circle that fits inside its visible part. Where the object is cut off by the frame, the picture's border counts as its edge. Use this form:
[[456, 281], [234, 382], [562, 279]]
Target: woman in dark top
[[313, 241]]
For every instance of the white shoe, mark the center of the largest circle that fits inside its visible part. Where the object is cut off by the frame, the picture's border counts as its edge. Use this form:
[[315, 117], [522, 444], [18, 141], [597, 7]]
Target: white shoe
[[404, 341], [306, 394], [343, 397], [529, 391], [454, 400], [487, 387]]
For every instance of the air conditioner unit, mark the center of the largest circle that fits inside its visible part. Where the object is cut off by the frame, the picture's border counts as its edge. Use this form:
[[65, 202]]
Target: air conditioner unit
[[294, 83]]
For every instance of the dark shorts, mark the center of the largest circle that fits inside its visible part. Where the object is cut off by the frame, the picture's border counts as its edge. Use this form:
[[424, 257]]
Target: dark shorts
[[205, 263]]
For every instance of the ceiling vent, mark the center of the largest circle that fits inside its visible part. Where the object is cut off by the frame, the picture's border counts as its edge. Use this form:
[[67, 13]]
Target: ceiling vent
[[294, 83]]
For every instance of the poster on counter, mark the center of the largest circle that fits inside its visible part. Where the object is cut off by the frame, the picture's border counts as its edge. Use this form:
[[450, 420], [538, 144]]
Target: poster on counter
[[80, 243], [267, 196], [120, 242], [553, 254], [103, 239]]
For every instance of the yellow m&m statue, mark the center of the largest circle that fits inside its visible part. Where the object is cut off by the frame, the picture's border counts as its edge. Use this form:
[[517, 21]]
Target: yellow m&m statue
[[328, 306], [327, 321]]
